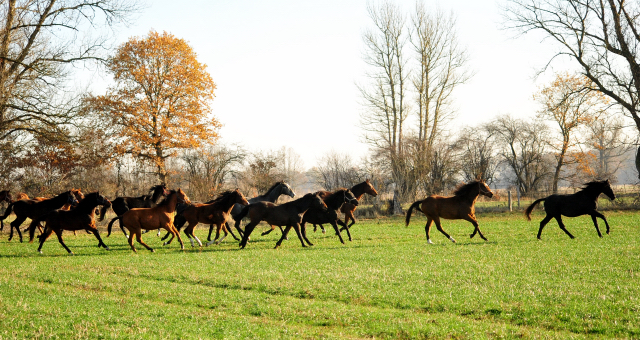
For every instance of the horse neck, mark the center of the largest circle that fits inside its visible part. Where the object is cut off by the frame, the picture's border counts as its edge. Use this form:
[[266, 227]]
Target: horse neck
[[86, 206], [592, 193], [170, 205], [335, 200], [155, 197], [272, 196], [358, 191], [471, 196], [57, 201], [227, 203]]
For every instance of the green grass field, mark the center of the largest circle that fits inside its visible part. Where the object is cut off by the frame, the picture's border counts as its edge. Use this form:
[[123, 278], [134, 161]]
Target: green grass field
[[387, 283]]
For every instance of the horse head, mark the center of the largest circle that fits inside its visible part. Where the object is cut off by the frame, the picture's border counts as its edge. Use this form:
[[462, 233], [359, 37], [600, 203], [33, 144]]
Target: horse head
[[484, 189], [240, 199], [182, 197], [286, 190], [350, 198], [369, 189], [71, 198], [607, 190]]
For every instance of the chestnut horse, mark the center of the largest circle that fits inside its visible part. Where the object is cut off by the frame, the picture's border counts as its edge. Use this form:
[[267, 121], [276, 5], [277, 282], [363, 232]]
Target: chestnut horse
[[459, 206], [334, 201], [583, 202], [82, 217], [120, 205], [217, 212], [33, 209], [160, 216], [287, 214], [348, 209]]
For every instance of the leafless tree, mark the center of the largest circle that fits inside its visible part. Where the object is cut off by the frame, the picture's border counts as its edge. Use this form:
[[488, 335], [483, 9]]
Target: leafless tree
[[39, 42], [609, 142], [478, 153], [209, 168], [522, 149], [601, 37], [336, 170]]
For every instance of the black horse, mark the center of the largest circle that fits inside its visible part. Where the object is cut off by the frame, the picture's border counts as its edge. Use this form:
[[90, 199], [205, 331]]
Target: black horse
[[334, 201], [287, 214], [121, 205], [583, 202], [82, 217]]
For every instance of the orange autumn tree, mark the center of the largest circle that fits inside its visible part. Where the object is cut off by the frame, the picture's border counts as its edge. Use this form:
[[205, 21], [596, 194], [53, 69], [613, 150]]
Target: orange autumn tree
[[569, 101], [160, 101]]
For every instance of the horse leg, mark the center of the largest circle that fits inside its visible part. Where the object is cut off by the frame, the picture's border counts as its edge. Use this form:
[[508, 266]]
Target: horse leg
[[96, 233], [476, 227], [139, 239], [283, 237], [595, 223], [122, 228], [226, 227], [597, 214], [16, 224], [59, 234], [303, 231], [282, 231], [172, 227], [348, 215], [427, 229], [335, 227], [165, 236], [296, 227], [439, 226], [222, 227], [544, 222], [130, 240], [268, 231], [248, 229], [189, 232], [559, 219], [47, 232], [210, 231]]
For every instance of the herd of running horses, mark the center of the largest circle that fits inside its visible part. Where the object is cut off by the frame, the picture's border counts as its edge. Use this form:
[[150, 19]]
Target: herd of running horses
[[171, 210]]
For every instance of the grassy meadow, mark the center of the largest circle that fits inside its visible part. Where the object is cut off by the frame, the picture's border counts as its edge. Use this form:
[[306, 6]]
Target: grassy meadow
[[388, 283]]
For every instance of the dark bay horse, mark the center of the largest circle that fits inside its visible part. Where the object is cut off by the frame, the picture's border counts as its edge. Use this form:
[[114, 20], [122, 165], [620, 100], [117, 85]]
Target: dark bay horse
[[82, 217], [160, 216], [120, 205], [459, 206], [348, 209], [287, 214], [334, 201], [5, 196], [216, 212], [33, 209], [583, 202]]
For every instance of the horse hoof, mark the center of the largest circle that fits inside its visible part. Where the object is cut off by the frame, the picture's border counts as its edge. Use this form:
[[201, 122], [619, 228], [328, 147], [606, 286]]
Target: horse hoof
[[40, 251], [107, 248], [324, 231], [429, 241], [164, 244], [152, 250], [71, 253]]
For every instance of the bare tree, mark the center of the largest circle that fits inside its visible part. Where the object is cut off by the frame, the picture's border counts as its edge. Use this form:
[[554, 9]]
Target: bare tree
[[336, 170], [522, 149], [601, 37], [210, 167], [478, 154], [39, 42], [385, 99], [607, 138], [568, 102]]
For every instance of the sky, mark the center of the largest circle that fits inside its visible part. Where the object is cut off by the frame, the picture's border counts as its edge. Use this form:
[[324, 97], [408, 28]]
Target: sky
[[286, 70]]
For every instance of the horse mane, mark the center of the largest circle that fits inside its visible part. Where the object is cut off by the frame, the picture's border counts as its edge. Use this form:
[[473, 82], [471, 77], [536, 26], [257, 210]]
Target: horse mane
[[223, 196], [463, 189], [592, 186], [88, 198], [166, 201], [273, 187]]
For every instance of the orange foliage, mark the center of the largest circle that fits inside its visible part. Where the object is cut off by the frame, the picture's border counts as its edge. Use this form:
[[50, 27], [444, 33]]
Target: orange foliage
[[160, 102]]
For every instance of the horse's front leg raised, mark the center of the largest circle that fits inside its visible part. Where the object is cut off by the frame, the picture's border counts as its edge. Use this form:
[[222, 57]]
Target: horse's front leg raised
[[303, 230], [476, 227], [597, 214]]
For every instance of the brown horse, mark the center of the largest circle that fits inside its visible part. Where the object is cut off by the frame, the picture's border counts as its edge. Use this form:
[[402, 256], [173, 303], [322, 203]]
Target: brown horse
[[76, 192], [33, 209], [459, 206], [287, 214], [120, 205], [160, 216], [348, 208], [217, 212], [82, 217]]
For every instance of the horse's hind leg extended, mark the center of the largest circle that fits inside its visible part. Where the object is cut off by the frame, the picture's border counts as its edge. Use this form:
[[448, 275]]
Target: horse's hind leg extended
[[544, 222], [59, 234], [16, 224], [303, 231], [427, 229], [559, 219], [138, 234], [228, 228], [47, 232], [283, 237], [439, 226]]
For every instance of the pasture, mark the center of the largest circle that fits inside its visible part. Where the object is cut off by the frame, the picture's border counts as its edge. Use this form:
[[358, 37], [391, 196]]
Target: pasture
[[387, 283]]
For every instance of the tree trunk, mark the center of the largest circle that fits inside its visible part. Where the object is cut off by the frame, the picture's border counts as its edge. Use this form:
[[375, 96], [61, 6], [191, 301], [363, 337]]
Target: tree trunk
[[638, 162]]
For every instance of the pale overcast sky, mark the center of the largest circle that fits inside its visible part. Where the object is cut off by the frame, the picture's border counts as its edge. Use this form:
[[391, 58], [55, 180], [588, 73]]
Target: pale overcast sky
[[286, 70]]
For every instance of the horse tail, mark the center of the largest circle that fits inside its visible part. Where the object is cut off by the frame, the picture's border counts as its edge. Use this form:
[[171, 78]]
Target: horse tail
[[6, 214], [103, 211], [243, 213], [34, 224], [111, 224], [414, 205], [529, 209]]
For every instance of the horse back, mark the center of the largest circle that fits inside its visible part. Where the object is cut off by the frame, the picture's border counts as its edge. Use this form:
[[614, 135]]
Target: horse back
[[146, 218], [569, 205], [450, 208]]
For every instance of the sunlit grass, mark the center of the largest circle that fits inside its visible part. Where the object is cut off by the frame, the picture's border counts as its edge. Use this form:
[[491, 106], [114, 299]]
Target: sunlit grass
[[387, 283]]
